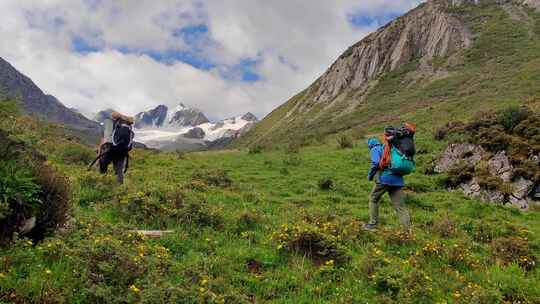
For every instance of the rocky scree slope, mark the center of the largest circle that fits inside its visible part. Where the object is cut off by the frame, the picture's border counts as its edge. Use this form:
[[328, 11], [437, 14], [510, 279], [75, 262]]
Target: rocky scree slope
[[399, 67], [14, 84]]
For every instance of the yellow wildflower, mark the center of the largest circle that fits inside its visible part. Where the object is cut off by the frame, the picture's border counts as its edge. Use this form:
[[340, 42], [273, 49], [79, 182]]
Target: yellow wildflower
[[48, 271], [134, 288]]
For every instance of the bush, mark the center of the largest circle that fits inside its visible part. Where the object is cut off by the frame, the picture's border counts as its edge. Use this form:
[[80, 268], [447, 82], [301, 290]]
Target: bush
[[30, 188], [255, 149], [345, 142], [445, 227], [215, 178], [482, 231], [19, 197], [514, 249], [443, 132], [247, 220], [326, 183], [511, 117], [461, 173], [311, 242], [56, 200], [158, 208]]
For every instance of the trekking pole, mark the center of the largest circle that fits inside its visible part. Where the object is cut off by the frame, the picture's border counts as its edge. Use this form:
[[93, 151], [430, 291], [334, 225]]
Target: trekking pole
[[94, 162]]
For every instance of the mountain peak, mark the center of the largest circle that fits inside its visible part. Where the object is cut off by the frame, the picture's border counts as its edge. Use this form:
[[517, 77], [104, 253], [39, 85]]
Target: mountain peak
[[163, 117], [249, 117]]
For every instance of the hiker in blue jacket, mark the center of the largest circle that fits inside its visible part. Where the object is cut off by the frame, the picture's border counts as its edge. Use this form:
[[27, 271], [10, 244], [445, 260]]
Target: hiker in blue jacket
[[386, 181]]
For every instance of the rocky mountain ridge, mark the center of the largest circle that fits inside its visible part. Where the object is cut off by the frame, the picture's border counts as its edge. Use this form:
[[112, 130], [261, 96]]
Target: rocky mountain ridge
[[427, 44], [163, 117], [16, 85]]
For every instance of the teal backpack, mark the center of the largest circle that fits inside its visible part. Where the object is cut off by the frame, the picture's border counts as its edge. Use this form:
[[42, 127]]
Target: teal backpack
[[400, 164]]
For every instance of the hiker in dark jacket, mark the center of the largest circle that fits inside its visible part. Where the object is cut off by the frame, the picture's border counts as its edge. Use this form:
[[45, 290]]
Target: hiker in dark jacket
[[115, 145], [386, 181]]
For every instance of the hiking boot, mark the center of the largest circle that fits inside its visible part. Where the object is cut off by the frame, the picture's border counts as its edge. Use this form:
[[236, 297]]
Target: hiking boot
[[370, 227]]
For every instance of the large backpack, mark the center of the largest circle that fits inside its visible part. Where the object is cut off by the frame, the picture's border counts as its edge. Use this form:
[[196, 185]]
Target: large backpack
[[400, 163], [403, 140], [122, 137], [398, 155]]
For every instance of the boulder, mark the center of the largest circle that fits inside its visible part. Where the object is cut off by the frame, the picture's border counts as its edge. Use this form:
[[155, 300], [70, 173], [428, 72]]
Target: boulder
[[456, 153], [522, 187], [522, 204], [471, 188], [499, 165]]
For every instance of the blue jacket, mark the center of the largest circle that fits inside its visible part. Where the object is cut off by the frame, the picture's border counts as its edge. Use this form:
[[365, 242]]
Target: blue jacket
[[387, 177]]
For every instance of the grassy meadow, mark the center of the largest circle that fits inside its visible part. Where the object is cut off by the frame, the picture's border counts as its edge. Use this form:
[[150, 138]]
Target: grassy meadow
[[269, 226]]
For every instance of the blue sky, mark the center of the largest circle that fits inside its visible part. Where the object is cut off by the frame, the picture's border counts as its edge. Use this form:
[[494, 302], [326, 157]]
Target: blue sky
[[224, 57]]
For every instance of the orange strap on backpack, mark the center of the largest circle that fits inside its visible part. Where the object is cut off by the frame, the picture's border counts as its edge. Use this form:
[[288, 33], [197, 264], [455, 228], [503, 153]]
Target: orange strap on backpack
[[385, 159]]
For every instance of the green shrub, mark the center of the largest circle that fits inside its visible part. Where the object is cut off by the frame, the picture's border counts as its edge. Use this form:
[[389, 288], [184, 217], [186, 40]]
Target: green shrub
[[444, 227], [55, 193], [461, 173], [159, 208], [345, 142], [514, 249], [326, 183], [30, 188], [443, 132], [309, 241], [19, 197], [509, 118], [255, 149], [247, 220]]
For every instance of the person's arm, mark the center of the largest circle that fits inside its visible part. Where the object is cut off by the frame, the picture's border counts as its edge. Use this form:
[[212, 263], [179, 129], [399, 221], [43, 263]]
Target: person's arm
[[375, 154]]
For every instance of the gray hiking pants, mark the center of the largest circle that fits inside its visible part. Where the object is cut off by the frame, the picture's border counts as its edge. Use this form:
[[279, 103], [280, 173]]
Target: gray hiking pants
[[119, 166], [398, 202]]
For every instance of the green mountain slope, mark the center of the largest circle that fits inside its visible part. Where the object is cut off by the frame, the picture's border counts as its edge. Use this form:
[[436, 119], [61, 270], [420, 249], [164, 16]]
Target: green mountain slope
[[492, 60]]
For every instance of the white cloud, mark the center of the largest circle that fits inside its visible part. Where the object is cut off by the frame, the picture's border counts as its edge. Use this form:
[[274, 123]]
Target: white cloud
[[293, 41]]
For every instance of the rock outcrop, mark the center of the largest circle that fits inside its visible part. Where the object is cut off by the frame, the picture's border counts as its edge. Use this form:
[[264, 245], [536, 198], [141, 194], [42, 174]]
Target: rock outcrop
[[196, 133], [519, 192], [456, 153]]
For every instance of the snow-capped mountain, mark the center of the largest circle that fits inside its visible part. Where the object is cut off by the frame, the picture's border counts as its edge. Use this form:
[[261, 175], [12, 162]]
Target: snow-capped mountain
[[162, 117], [185, 128]]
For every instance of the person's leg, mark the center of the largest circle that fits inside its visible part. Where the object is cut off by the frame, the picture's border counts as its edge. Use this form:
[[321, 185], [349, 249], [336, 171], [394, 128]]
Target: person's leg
[[118, 165], [398, 201], [374, 198]]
